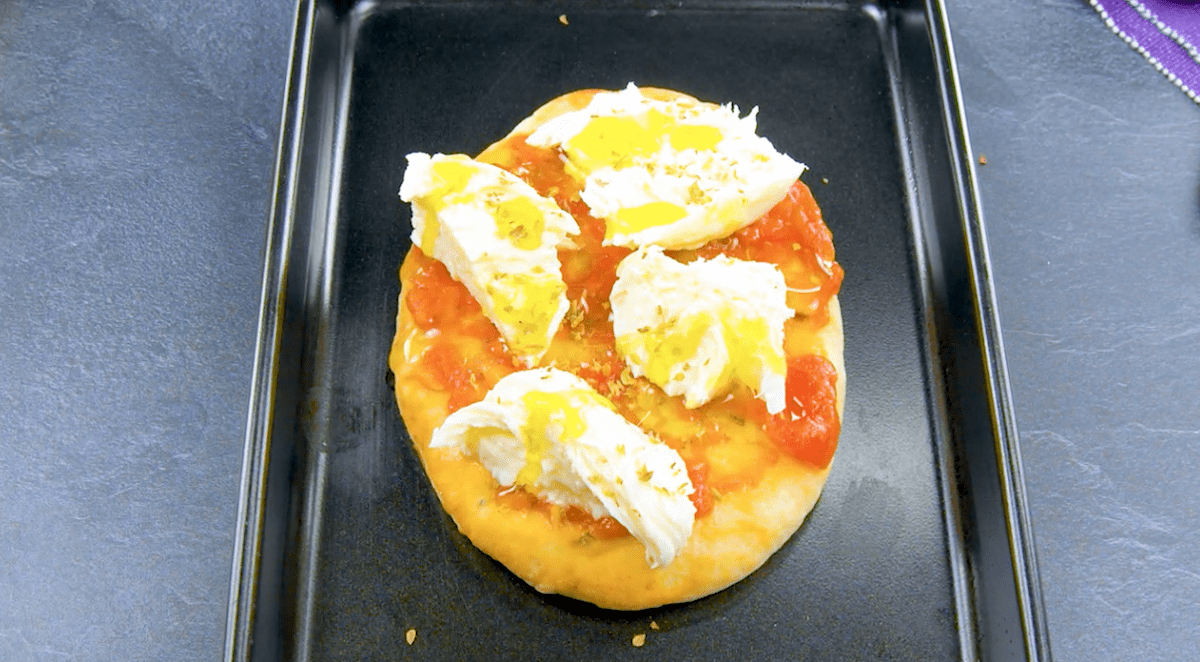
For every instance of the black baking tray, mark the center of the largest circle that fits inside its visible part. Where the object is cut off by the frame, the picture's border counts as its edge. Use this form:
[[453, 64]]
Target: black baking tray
[[920, 547]]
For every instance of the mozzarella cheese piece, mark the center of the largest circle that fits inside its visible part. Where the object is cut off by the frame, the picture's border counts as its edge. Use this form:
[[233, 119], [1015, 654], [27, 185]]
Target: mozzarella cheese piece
[[498, 237], [675, 174], [549, 432], [694, 329]]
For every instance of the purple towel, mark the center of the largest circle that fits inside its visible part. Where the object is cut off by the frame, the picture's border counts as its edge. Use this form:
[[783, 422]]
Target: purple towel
[[1165, 32]]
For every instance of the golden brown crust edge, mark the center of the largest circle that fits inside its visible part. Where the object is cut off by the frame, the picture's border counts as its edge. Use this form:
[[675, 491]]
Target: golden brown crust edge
[[745, 528]]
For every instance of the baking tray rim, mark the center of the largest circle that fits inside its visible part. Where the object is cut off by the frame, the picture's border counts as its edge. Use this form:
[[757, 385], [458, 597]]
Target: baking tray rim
[[1004, 424], [247, 548]]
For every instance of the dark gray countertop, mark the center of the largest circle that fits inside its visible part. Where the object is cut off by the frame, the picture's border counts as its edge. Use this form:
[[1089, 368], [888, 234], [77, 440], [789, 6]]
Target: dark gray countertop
[[1091, 198], [136, 153]]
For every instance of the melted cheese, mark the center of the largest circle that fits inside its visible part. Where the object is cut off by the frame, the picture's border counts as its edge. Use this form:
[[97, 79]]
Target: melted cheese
[[675, 174], [547, 431], [695, 329], [498, 237]]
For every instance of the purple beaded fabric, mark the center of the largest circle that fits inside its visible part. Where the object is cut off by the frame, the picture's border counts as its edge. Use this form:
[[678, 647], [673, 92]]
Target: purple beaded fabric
[[1165, 32]]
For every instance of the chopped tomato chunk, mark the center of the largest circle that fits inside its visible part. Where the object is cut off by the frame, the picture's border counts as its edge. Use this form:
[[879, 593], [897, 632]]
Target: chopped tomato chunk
[[604, 528], [701, 497], [600, 369], [589, 270], [808, 427], [794, 237], [447, 367], [518, 499], [435, 298]]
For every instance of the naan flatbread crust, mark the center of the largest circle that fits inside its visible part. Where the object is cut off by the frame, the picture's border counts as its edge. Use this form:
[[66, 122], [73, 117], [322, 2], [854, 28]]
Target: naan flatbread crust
[[746, 525]]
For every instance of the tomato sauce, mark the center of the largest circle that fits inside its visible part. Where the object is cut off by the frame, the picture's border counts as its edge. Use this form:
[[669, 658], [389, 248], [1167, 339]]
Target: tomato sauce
[[792, 235], [590, 270], [701, 498], [604, 528], [434, 298], [808, 427], [437, 301]]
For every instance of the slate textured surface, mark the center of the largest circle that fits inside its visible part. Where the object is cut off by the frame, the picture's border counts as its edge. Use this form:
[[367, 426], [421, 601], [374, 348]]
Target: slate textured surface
[[1092, 198], [136, 150], [136, 147]]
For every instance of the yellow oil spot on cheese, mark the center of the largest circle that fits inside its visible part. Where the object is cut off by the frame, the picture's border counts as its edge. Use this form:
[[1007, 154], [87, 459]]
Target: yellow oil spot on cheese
[[671, 346], [429, 234], [729, 214], [526, 302], [636, 219], [658, 123], [607, 140], [615, 140], [451, 176], [694, 136], [747, 342], [544, 410], [750, 352], [519, 221], [553, 413], [476, 434]]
